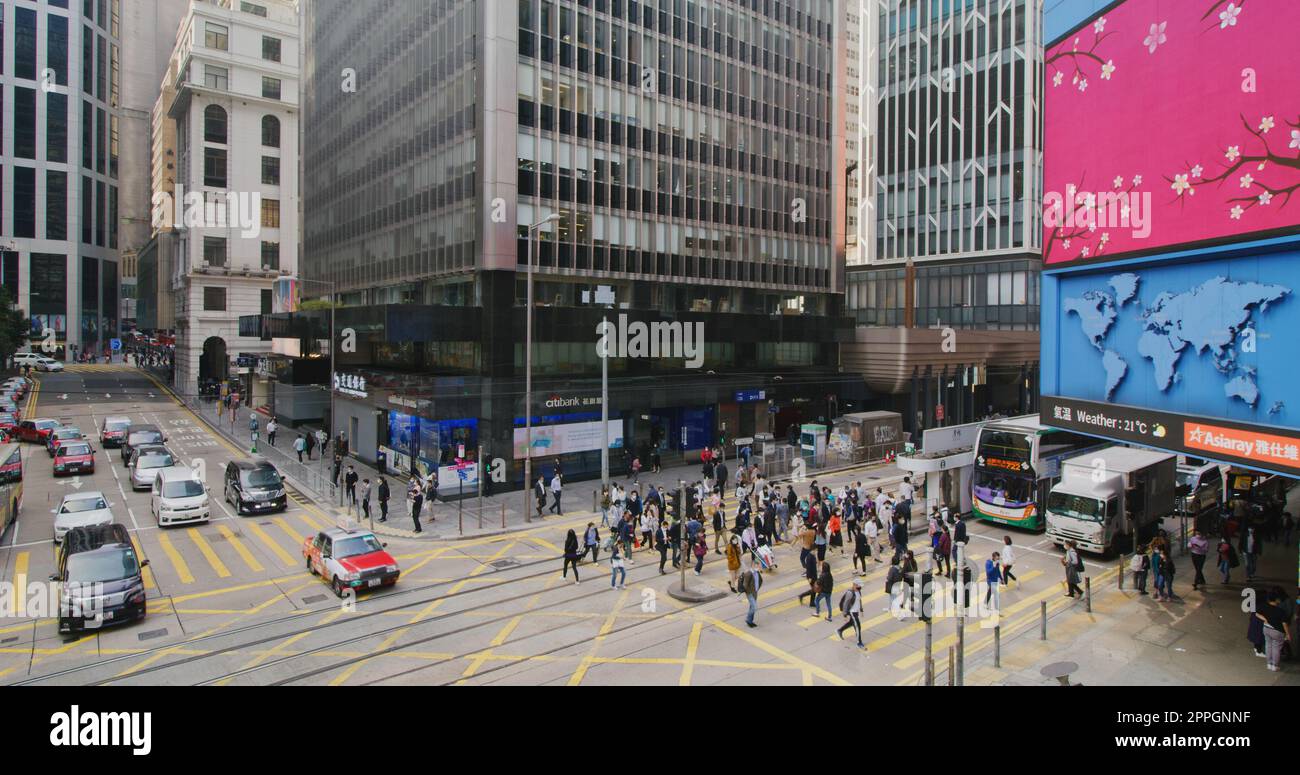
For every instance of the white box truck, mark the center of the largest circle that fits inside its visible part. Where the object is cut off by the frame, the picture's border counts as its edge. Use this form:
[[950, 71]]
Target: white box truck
[[1112, 499]]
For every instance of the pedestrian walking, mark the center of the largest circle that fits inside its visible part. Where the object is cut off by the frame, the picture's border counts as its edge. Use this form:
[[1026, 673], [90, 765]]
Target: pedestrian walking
[[539, 493], [750, 582], [365, 498], [1199, 547], [872, 529], [1277, 630], [701, 549], [861, 551], [661, 543], [616, 569], [993, 580], [836, 536], [417, 502], [1252, 547], [851, 607], [822, 590], [1163, 562], [1140, 565], [571, 555], [733, 562], [557, 489], [1073, 565], [300, 446], [350, 485], [1008, 559], [591, 543], [309, 445], [383, 499], [272, 427], [321, 438]]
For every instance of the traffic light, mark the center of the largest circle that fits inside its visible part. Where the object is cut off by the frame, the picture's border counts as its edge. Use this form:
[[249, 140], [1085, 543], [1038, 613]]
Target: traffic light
[[670, 506]]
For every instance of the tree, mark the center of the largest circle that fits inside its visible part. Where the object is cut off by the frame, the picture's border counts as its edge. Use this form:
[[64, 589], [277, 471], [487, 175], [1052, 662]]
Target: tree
[[13, 327]]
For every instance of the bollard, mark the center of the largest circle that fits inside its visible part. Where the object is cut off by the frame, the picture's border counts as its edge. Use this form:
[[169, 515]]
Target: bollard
[[460, 522], [595, 502], [1122, 563], [951, 661], [929, 653], [961, 651], [1042, 633], [503, 516], [1087, 593], [997, 645]]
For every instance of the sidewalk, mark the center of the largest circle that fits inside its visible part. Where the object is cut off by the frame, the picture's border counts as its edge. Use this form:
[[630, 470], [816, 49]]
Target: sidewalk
[[1199, 639], [502, 512]]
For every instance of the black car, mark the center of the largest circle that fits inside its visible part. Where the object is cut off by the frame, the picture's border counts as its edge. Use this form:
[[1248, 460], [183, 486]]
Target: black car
[[254, 486], [100, 579], [138, 435]]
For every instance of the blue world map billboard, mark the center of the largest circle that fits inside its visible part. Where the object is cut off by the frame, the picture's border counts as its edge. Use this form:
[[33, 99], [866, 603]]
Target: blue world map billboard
[[1197, 352]]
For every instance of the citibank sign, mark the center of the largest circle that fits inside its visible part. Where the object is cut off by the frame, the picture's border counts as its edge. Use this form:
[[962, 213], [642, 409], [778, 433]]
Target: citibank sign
[[562, 402]]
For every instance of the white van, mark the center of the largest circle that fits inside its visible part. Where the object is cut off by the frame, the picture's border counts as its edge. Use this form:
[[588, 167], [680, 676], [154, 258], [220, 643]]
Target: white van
[[179, 498]]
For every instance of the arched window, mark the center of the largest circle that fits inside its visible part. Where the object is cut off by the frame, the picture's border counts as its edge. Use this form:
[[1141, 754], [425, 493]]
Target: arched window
[[270, 131], [214, 124]]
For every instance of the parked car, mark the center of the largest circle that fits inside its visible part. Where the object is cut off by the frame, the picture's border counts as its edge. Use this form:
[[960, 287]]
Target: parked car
[[35, 431], [179, 498], [74, 457], [27, 359], [350, 559], [139, 434], [81, 509], [59, 435], [101, 581], [8, 422], [254, 485], [145, 463], [48, 364], [112, 433]]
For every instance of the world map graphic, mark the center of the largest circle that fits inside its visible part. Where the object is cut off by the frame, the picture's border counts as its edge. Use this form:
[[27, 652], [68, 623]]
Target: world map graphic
[[1217, 319]]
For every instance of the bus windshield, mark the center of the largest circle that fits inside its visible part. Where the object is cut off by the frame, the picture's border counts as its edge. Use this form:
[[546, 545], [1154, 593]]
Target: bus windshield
[[1076, 506], [1002, 489]]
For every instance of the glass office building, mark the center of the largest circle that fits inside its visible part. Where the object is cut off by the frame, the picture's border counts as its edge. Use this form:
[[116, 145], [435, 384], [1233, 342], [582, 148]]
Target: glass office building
[[59, 91], [687, 149]]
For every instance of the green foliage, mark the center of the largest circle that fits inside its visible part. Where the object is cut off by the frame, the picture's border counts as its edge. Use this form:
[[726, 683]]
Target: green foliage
[[14, 326]]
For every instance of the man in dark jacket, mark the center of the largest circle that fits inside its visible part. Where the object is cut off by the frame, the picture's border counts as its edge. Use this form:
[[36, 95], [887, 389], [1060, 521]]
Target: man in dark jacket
[[810, 573], [959, 541], [417, 502], [675, 539], [350, 482], [721, 473], [383, 499]]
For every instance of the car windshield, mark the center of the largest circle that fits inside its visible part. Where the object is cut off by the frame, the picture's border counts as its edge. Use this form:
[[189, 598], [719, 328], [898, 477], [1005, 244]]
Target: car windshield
[[117, 426], [84, 504], [262, 477], [155, 460], [145, 437], [351, 547], [45, 425], [1077, 506], [111, 565], [182, 488], [67, 433], [74, 449]]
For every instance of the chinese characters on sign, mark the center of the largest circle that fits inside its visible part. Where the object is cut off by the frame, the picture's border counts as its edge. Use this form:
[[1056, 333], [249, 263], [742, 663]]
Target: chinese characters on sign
[[350, 385]]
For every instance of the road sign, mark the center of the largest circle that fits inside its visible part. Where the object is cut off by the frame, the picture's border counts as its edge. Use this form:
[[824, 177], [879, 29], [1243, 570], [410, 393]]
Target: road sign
[[116, 344]]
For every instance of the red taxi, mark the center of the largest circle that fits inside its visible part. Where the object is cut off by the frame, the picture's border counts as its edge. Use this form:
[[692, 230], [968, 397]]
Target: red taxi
[[74, 457], [350, 559]]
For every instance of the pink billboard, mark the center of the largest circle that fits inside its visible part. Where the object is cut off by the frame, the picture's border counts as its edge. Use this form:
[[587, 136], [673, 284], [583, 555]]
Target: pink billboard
[[1170, 123]]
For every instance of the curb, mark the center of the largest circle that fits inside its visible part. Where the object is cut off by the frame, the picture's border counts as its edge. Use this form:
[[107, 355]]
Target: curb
[[695, 595]]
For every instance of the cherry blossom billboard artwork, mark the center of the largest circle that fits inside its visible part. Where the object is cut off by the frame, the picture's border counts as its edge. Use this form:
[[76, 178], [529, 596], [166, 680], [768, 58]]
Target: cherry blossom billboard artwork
[[1171, 123]]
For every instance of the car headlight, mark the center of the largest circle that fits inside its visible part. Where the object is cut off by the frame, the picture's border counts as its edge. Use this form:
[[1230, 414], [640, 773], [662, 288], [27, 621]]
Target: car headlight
[[351, 576], [391, 569]]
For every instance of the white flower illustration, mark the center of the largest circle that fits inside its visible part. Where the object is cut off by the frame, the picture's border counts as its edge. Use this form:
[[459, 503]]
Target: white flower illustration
[[1107, 69], [1099, 25], [1295, 138], [1233, 152], [1180, 184], [1056, 79], [1083, 85], [1197, 170], [1137, 180], [1119, 181], [1236, 213], [1247, 180], [1265, 198], [1265, 124], [1066, 244], [1105, 237], [1228, 16], [1086, 252], [1156, 37]]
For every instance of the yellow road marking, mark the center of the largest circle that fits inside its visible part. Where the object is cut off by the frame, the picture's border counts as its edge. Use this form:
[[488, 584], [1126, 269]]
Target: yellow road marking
[[311, 524], [581, 671], [279, 648], [20, 575], [209, 554], [781, 654], [294, 538], [174, 556], [270, 543], [240, 549], [148, 572], [692, 649]]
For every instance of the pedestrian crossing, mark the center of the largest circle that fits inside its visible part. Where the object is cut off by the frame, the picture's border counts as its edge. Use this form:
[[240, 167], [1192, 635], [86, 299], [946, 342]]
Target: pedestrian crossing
[[96, 368]]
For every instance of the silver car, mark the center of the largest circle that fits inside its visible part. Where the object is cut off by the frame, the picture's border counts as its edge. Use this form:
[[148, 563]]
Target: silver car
[[81, 509], [145, 463]]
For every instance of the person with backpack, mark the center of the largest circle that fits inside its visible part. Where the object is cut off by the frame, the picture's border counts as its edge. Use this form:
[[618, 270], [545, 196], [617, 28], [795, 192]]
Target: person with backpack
[[616, 569], [1073, 569], [1140, 565], [1227, 558], [749, 583], [571, 556], [851, 607], [893, 578], [383, 499]]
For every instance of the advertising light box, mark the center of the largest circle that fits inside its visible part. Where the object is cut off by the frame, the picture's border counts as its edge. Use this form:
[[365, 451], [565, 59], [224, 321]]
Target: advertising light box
[[1195, 352], [1170, 124]]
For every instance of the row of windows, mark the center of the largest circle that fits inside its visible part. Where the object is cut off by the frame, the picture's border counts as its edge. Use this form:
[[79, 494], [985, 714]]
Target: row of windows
[[218, 78], [98, 203], [217, 36], [216, 253], [216, 127]]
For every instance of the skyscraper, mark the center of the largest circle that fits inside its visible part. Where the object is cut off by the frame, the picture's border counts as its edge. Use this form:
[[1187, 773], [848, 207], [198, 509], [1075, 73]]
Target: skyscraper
[[689, 150]]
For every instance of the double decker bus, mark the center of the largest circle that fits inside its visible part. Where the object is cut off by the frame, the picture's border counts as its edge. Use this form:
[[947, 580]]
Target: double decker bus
[[1016, 463], [11, 484]]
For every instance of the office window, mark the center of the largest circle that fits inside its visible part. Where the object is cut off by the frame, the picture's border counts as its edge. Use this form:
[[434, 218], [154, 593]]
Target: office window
[[87, 59], [87, 210], [49, 291], [56, 54], [214, 251], [112, 217], [25, 43], [270, 48], [216, 36], [101, 214], [101, 140], [214, 167], [216, 77], [253, 8], [271, 213], [25, 202], [270, 131], [271, 88], [266, 301], [24, 122], [56, 127], [271, 255], [270, 170], [87, 136], [56, 205], [214, 124], [214, 299]]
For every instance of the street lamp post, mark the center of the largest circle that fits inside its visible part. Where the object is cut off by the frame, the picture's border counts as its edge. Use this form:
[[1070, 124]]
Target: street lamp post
[[528, 366]]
